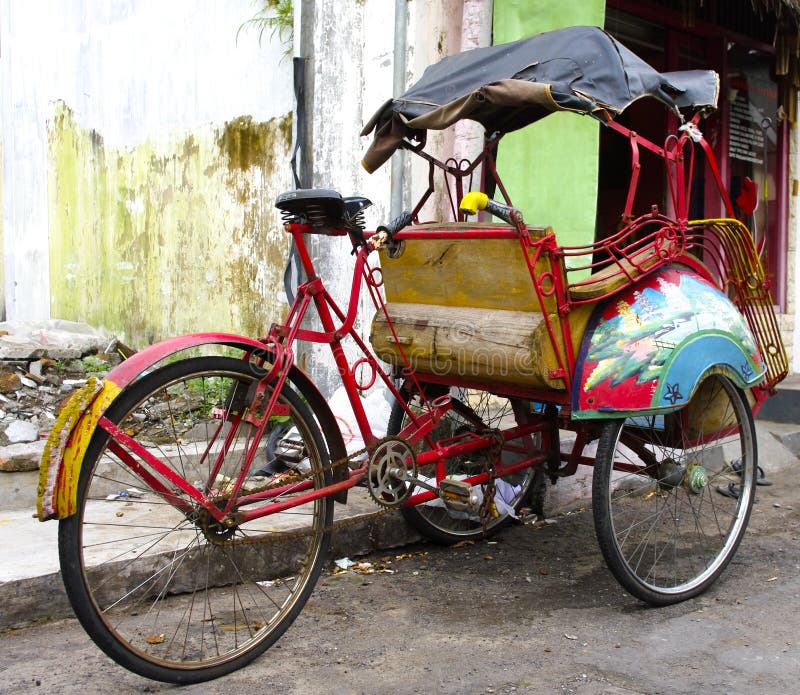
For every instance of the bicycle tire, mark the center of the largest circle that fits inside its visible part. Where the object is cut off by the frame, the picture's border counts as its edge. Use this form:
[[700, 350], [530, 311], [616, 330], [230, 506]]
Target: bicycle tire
[[144, 579], [663, 527], [476, 410]]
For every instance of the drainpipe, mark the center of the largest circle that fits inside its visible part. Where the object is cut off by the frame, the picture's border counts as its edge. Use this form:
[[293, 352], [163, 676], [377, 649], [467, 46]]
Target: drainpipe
[[398, 87], [301, 170], [300, 155]]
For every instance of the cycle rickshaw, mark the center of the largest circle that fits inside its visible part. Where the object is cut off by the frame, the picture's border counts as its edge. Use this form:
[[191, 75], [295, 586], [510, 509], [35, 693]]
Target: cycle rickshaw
[[651, 348]]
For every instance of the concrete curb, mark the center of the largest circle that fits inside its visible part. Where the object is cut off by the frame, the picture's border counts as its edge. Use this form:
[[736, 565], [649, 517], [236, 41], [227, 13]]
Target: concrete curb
[[42, 597]]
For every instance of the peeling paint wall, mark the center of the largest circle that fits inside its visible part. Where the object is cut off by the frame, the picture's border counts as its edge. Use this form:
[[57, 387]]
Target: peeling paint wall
[[350, 47], [143, 144], [171, 236]]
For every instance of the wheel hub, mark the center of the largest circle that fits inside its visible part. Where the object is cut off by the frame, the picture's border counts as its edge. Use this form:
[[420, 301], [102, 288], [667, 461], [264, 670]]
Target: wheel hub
[[670, 474], [212, 529], [693, 477], [696, 479]]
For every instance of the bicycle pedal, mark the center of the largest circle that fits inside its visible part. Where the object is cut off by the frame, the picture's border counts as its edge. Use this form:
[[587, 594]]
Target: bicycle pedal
[[458, 496]]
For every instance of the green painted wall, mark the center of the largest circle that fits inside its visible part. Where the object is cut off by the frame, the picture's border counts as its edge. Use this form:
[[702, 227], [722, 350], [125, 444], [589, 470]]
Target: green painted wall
[[168, 237], [550, 168]]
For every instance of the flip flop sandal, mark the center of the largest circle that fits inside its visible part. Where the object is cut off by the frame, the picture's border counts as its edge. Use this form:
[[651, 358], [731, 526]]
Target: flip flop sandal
[[731, 490], [761, 479]]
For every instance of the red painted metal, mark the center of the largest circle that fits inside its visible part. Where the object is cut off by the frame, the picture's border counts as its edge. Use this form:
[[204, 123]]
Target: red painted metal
[[124, 373], [121, 438], [481, 478], [148, 478], [636, 168]]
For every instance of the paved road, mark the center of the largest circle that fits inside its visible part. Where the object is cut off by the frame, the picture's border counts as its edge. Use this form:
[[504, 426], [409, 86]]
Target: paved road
[[534, 612]]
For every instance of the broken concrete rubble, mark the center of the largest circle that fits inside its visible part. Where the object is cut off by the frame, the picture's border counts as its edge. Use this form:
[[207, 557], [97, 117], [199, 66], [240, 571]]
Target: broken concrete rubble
[[9, 382], [20, 432], [21, 457], [41, 363], [55, 338]]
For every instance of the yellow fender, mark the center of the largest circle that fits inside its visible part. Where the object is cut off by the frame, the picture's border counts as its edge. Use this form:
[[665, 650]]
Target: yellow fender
[[65, 447]]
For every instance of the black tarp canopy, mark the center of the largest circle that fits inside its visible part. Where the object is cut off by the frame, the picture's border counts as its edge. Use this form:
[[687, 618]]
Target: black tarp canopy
[[506, 87]]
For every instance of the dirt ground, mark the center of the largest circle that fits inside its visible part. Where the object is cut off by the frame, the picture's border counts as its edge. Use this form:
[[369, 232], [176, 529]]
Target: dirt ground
[[534, 611]]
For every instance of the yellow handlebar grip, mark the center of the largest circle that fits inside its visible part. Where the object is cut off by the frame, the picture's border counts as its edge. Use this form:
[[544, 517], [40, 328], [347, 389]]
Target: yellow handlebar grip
[[473, 201]]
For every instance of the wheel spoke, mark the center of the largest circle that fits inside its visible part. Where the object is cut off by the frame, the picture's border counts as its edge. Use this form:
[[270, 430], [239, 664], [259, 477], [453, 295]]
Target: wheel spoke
[[471, 411], [665, 531], [185, 597]]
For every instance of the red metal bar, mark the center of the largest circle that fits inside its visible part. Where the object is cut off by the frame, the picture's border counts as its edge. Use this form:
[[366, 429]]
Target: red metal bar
[[548, 245], [561, 398], [502, 470], [297, 230], [636, 167], [476, 443], [226, 447], [246, 515], [627, 132], [712, 165], [501, 232], [148, 478], [122, 438]]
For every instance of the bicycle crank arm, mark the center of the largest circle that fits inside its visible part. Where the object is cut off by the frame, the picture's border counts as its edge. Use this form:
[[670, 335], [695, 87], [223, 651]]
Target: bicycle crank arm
[[455, 494]]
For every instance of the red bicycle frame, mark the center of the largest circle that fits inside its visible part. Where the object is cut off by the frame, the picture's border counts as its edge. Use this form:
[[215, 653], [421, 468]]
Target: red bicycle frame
[[628, 254]]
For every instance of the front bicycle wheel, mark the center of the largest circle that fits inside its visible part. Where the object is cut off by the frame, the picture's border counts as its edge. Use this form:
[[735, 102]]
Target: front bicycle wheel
[[672, 493], [174, 595], [472, 411]]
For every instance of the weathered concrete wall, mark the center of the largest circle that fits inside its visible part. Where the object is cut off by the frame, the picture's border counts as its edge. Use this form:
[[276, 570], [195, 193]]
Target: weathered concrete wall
[[171, 236], [348, 47], [115, 146], [2, 245], [790, 324]]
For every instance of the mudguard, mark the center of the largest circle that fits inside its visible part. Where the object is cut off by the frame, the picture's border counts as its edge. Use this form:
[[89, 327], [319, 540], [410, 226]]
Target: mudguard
[[647, 348], [77, 421]]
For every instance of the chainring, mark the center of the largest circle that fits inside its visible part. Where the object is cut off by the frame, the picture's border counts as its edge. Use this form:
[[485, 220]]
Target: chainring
[[390, 473]]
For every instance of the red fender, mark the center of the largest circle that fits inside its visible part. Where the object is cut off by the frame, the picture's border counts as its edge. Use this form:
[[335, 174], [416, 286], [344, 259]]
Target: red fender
[[66, 446]]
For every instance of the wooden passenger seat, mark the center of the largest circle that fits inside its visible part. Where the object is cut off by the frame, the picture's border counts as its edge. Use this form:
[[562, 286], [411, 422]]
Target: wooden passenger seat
[[468, 308]]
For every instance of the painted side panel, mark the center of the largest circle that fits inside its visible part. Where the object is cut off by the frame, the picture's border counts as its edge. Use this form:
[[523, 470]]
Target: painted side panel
[[647, 348]]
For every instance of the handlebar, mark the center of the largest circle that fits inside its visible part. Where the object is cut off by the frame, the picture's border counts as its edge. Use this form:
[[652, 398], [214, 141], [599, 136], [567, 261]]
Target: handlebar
[[475, 201], [402, 220], [383, 234]]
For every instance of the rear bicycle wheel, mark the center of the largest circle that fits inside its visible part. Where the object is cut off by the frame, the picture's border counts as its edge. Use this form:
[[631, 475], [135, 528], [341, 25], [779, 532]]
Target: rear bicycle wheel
[[664, 529], [176, 596], [472, 411]]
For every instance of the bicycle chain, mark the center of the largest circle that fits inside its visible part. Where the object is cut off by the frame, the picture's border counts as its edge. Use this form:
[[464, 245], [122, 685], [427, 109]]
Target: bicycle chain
[[291, 535], [488, 507]]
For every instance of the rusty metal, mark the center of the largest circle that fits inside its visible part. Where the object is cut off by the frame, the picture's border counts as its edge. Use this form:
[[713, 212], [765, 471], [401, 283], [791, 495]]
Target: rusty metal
[[727, 247]]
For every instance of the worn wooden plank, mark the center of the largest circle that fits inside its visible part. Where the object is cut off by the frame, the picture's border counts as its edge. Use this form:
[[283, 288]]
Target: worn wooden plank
[[468, 273], [491, 345], [466, 342]]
